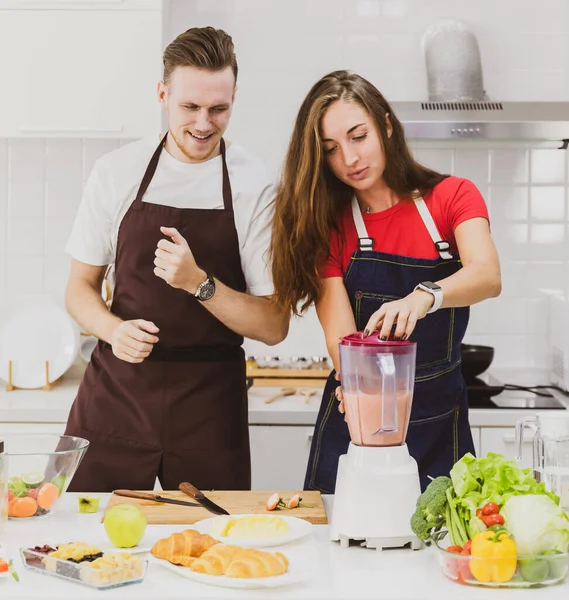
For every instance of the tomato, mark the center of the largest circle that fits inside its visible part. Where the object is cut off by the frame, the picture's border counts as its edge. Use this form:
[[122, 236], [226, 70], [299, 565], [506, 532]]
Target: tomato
[[479, 513], [456, 549], [3, 566], [490, 509], [491, 520], [466, 548]]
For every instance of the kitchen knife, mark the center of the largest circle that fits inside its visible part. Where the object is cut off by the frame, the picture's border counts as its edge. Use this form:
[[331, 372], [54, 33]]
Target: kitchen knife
[[153, 497], [198, 496]]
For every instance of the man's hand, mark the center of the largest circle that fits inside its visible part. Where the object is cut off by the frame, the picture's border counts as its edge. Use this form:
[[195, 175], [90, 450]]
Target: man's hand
[[175, 263], [132, 341]]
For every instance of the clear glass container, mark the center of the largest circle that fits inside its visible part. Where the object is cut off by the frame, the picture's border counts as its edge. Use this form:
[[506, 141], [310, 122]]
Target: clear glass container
[[505, 571], [126, 571], [39, 470]]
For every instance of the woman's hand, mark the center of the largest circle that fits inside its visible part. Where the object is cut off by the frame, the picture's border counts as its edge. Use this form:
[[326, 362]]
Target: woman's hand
[[403, 313], [339, 394]]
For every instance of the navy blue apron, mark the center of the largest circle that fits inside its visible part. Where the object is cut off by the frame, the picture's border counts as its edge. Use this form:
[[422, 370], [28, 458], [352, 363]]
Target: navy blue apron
[[439, 431]]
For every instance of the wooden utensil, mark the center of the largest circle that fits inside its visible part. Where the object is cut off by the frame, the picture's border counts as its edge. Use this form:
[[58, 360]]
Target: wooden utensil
[[284, 392], [307, 394]]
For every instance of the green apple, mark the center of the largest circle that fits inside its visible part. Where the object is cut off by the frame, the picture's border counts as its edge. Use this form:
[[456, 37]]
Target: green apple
[[125, 525]]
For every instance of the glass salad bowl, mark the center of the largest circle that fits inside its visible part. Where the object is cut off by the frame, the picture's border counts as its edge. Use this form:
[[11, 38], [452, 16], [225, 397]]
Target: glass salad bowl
[[39, 470], [504, 571]]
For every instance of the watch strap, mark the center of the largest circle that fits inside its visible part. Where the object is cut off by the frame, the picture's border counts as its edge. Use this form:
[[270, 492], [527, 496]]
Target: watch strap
[[437, 295]]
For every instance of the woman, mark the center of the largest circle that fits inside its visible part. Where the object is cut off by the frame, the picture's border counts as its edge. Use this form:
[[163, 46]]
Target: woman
[[359, 225]]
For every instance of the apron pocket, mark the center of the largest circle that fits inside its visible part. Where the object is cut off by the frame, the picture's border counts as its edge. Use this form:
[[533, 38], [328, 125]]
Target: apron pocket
[[432, 350], [434, 443]]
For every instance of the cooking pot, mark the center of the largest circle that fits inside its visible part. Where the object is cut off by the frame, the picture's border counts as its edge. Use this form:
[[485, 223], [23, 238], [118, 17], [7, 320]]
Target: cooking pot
[[475, 360]]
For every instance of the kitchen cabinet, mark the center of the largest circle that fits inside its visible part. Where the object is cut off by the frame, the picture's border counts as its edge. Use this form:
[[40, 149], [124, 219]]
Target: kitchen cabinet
[[80, 69], [502, 441], [31, 428], [279, 455], [476, 439]]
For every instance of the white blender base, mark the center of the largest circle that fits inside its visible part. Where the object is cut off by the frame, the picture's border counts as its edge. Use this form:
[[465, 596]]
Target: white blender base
[[376, 494]]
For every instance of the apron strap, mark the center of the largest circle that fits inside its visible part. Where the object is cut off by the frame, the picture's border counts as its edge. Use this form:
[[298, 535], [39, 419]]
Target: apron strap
[[227, 195], [365, 243], [153, 164], [443, 247], [149, 173]]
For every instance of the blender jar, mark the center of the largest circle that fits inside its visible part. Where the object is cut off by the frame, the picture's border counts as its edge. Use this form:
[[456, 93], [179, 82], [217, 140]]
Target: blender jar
[[377, 383]]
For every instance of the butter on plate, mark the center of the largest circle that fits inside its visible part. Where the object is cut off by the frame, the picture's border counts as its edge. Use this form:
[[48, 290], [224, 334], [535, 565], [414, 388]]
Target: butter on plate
[[251, 527]]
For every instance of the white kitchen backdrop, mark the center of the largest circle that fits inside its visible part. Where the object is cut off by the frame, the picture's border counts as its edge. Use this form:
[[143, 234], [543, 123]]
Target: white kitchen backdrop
[[282, 48]]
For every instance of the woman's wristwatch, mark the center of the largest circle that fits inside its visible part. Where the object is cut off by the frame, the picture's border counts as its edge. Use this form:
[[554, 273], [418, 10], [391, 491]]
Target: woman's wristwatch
[[435, 290]]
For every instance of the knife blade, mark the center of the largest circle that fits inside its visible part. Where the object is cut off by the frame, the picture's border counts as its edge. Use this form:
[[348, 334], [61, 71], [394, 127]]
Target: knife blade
[[153, 497], [198, 496]]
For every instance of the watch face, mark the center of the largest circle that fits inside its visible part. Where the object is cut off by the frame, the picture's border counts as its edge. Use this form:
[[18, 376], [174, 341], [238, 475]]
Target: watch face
[[430, 285], [207, 290]]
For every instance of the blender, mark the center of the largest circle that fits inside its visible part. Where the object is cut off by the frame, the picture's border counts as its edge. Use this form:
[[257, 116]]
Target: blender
[[377, 484]]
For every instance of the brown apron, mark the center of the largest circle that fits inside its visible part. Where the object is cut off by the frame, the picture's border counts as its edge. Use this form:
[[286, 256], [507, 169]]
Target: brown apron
[[181, 414]]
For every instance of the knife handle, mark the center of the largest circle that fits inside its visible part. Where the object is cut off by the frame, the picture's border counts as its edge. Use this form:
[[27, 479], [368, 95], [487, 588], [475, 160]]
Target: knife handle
[[133, 494], [190, 490]]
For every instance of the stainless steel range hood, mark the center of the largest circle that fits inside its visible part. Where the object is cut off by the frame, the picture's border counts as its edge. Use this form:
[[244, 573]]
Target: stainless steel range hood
[[485, 120]]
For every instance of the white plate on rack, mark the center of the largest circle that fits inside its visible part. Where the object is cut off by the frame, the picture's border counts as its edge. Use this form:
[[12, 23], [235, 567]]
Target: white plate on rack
[[33, 335], [230, 582], [297, 529]]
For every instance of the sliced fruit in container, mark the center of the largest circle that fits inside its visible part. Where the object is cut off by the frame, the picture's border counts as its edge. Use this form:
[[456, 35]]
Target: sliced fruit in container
[[33, 479], [88, 504]]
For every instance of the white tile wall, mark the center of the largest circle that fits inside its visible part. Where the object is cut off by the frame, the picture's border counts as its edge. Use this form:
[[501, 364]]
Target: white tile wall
[[284, 47]]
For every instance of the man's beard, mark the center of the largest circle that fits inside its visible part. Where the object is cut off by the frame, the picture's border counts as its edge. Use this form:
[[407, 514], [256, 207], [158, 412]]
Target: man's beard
[[183, 150]]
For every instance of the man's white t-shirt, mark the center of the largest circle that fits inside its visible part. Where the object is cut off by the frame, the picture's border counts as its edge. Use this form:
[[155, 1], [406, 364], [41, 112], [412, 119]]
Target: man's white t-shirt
[[114, 182]]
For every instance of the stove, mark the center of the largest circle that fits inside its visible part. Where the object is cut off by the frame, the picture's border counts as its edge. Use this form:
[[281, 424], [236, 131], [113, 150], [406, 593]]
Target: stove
[[486, 391]]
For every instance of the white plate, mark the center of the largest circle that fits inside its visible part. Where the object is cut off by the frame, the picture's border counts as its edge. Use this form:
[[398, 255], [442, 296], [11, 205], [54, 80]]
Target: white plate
[[230, 582], [88, 344], [30, 337], [297, 529]]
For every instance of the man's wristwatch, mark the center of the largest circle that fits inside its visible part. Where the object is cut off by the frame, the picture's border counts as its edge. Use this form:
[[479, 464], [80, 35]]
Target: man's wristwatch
[[435, 290], [206, 289]]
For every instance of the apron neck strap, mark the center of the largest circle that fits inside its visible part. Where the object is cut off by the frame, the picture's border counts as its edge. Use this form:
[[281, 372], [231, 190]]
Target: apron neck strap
[[153, 164], [442, 246], [227, 195], [365, 243]]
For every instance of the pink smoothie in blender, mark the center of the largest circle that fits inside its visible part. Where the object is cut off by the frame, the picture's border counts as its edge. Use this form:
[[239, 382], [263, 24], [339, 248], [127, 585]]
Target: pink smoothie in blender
[[377, 383]]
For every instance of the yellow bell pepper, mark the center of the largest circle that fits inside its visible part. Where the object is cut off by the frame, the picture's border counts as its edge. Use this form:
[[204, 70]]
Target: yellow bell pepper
[[496, 557]]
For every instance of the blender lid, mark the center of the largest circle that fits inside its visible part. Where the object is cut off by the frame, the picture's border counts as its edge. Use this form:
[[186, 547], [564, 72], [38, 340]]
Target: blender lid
[[357, 339]]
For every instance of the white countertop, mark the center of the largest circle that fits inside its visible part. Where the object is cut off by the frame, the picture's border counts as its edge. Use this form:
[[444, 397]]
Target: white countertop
[[328, 571], [37, 406]]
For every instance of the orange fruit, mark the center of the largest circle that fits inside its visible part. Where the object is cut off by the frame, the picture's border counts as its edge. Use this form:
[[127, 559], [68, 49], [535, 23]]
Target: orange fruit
[[48, 495], [23, 507]]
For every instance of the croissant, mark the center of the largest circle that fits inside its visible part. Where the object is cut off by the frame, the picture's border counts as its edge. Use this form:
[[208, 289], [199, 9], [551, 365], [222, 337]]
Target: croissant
[[184, 561], [188, 543], [216, 560], [256, 563]]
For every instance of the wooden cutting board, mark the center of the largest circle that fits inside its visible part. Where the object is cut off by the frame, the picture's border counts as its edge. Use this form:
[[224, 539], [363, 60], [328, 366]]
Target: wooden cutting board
[[235, 502]]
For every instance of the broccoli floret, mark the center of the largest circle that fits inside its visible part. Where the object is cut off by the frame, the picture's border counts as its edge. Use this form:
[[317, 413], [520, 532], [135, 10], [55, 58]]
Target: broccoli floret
[[431, 506]]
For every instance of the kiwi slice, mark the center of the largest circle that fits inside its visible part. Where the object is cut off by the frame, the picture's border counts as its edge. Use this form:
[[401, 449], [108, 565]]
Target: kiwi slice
[[88, 504]]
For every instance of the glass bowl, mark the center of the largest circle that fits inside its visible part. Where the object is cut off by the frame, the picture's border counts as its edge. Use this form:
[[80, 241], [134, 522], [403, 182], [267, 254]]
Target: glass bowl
[[530, 571], [39, 470]]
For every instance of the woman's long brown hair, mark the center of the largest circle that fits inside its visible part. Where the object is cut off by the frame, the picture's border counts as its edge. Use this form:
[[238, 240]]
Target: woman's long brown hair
[[310, 198]]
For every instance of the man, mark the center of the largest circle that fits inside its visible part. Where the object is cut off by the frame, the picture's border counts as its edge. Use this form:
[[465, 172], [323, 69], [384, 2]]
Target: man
[[185, 221]]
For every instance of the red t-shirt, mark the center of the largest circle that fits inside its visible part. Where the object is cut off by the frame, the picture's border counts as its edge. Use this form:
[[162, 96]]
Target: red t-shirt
[[400, 229]]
